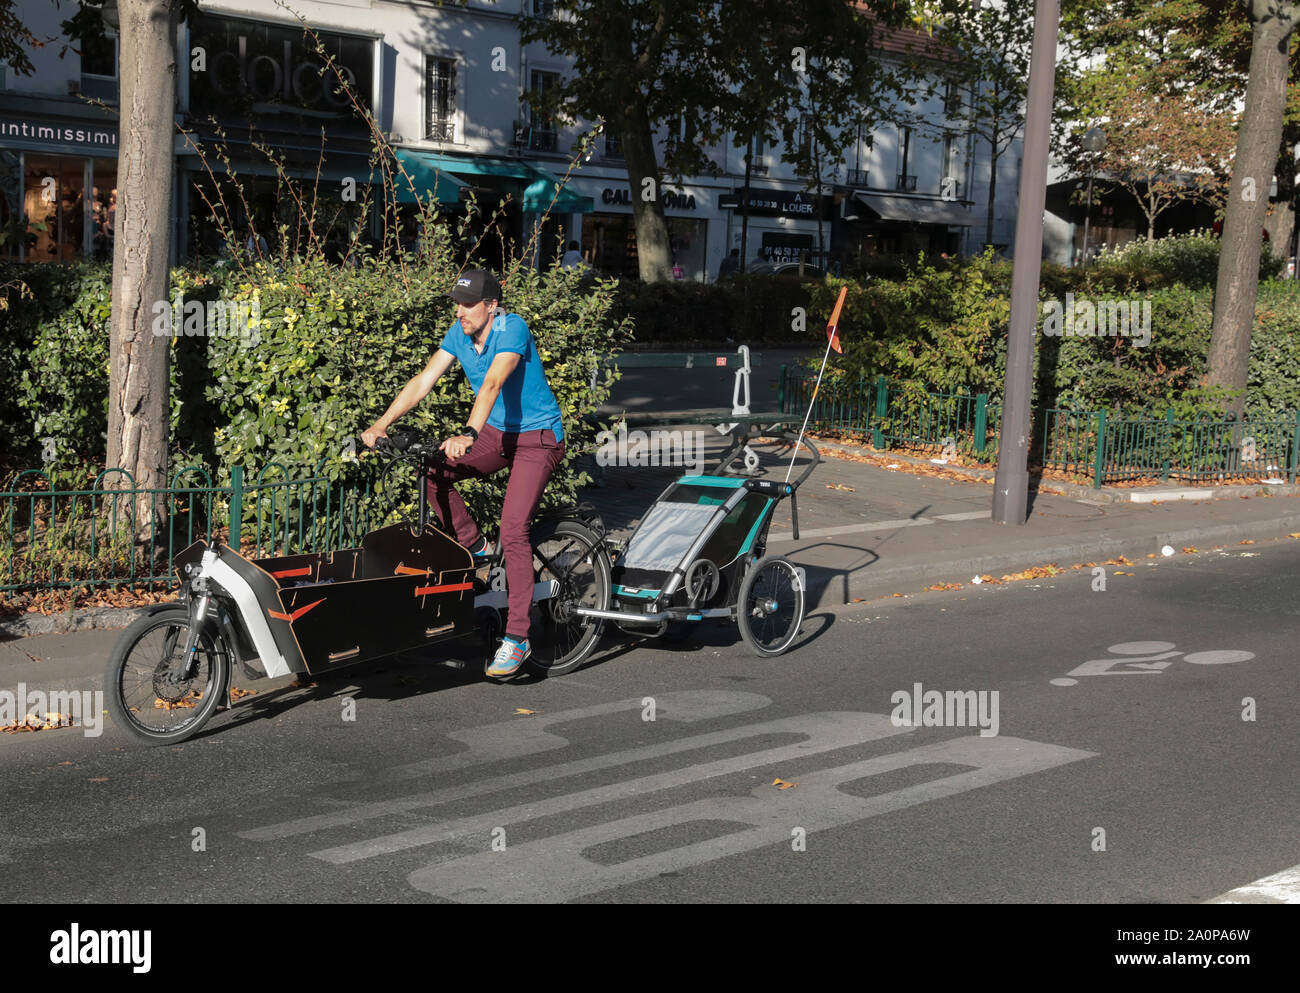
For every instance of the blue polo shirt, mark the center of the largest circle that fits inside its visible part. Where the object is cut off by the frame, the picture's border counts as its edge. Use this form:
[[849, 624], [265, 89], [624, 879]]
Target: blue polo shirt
[[525, 402]]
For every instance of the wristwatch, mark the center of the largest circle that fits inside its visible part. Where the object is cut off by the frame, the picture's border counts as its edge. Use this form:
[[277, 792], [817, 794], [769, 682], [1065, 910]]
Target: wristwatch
[[471, 432]]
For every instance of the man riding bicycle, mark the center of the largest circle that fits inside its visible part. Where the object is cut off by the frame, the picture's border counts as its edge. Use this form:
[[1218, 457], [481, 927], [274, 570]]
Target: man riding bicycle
[[515, 423]]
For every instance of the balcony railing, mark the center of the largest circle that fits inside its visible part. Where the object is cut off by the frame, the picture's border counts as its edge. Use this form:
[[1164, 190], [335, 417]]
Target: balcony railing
[[906, 183], [859, 177], [440, 130], [758, 168], [541, 139]]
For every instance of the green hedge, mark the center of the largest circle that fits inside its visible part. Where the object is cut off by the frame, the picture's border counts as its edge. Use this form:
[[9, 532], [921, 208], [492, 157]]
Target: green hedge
[[943, 328], [331, 349]]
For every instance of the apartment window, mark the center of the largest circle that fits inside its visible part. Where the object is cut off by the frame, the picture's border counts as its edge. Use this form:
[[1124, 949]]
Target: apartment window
[[756, 164], [541, 127], [99, 56], [804, 136], [440, 99], [950, 181], [99, 68], [543, 8], [951, 98], [613, 147], [906, 181]]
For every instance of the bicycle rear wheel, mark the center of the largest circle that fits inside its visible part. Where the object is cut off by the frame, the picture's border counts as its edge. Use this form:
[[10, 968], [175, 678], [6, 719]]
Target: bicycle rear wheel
[[571, 561]]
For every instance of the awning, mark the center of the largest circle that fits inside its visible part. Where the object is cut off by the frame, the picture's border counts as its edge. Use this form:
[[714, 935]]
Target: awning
[[916, 211], [538, 183], [428, 175]]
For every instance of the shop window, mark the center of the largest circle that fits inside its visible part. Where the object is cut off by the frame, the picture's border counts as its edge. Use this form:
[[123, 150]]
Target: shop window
[[56, 209], [440, 99]]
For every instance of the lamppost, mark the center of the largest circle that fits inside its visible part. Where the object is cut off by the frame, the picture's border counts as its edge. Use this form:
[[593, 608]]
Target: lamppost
[[1094, 140], [1011, 482]]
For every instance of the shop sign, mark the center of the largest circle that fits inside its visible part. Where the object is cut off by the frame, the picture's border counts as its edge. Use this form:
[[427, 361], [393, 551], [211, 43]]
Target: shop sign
[[78, 135], [775, 202], [672, 199], [247, 62]]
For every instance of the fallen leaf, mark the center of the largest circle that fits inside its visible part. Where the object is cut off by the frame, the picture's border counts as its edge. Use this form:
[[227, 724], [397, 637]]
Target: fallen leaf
[[1248, 541], [781, 784], [524, 712], [1294, 534], [100, 779], [1190, 549], [840, 486], [238, 694]]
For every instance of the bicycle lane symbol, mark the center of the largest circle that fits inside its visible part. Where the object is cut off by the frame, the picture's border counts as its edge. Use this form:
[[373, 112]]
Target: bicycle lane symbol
[[1147, 658]]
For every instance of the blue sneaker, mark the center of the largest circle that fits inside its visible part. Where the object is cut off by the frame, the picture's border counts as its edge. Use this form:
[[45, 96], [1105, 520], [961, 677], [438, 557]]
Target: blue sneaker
[[510, 656]]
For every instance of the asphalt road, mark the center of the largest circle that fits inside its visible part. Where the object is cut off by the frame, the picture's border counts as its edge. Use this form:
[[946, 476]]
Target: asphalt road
[[1122, 769]]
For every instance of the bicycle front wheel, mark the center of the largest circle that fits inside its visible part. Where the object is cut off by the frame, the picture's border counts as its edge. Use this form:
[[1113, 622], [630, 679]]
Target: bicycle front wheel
[[571, 569], [144, 685]]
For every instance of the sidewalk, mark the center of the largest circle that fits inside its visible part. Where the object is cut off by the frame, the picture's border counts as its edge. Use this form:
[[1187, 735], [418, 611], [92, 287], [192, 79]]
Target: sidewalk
[[868, 532]]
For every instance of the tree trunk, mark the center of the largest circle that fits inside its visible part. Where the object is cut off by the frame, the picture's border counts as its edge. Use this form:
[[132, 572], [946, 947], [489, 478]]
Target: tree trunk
[[1258, 139], [138, 415], [1280, 224], [654, 257]]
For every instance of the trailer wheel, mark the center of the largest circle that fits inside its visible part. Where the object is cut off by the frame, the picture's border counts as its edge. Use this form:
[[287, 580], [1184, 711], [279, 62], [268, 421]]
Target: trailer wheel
[[771, 606]]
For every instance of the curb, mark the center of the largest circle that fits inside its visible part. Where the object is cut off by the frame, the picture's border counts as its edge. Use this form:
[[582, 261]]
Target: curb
[[85, 619], [1089, 494], [875, 584]]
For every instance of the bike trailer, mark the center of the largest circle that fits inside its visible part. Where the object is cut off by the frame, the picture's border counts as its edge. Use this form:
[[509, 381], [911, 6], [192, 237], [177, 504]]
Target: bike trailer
[[311, 613]]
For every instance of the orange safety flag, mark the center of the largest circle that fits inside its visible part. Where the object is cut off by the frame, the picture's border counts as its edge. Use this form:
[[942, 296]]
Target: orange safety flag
[[833, 325]]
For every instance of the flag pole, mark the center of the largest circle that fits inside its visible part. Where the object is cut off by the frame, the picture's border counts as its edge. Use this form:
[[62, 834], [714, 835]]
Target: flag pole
[[832, 331]]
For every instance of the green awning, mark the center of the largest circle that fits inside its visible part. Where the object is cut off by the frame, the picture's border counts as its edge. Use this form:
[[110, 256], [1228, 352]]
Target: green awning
[[538, 183], [428, 175]]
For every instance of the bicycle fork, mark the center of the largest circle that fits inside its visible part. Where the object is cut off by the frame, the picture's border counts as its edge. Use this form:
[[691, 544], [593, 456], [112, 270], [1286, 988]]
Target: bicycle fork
[[198, 613]]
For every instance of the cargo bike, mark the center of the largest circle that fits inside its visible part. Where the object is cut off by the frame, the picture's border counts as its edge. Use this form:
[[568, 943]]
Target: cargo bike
[[698, 553]]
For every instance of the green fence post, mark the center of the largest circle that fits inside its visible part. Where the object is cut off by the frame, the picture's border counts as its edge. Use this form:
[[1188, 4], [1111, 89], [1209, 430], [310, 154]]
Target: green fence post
[[882, 410], [1168, 445], [1099, 471], [780, 392], [236, 506], [981, 421], [1295, 449]]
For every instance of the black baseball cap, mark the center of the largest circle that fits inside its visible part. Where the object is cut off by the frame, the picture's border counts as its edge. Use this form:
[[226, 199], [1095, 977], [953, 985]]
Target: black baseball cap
[[475, 285]]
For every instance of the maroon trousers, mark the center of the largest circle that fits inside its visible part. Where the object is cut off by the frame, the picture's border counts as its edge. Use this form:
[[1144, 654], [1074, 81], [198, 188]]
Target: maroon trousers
[[531, 457]]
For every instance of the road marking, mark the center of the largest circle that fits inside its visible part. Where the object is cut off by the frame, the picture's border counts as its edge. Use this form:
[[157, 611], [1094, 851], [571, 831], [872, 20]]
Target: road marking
[[512, 740], [1281, 887], [1149, 665], [822, 733], [970, 515], [555, 869]]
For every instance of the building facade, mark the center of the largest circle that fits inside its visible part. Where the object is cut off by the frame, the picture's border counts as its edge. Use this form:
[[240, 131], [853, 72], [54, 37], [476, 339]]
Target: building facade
[[446, 86]]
